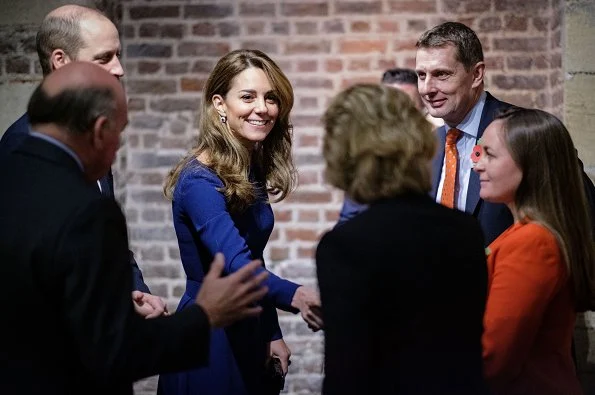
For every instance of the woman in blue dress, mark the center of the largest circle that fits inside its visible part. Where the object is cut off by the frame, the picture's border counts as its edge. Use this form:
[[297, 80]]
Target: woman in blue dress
[[220, 201]]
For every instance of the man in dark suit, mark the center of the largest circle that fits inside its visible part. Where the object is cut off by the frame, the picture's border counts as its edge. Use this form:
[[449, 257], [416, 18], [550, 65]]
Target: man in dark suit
[[389, 274], [71, 326], [70, 33]]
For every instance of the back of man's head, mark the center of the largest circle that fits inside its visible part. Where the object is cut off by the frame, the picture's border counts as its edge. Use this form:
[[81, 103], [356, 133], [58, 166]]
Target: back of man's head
[[469, 50], [60, 29], [399, 76]]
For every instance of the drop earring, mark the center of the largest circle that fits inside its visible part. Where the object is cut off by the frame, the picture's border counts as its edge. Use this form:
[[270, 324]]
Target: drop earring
[[223, 118]]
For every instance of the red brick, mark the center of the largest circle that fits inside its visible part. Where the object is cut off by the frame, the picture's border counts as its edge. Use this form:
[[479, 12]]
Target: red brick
[[128, 31], [250, 9], [155, 12], [359, 65], [556, 60], [305, 120], [305, 9], [494, 62], [520, 44], [203, 29], [307, 65], [333, 26], [155, 87], [360, 27], [490, 24], [136, 104], [308, 102], [532, 82], [331, 216], [173, 31], [309, 197], [412, 6], [283, 215], [417, 25], [227, 29], [301, 234], [279, 253], [279, 28], [523, 6], [207, 11], [346, 82], [358, 7], [203, 48], [18, 65], [384, 64], [541, 24], [306, 28], [308, 140], [175, 143], [477, 5], [203, 66], [556, 40], [362, 46], [176, 68], [192, 84], [313, 82], [306, 252], [267, 46], [148, 30], [308, 216], [404, 45], [388, 26], [308, 177], [307, 47], [149, 51], [333, 65], [520, 62], [515, 23], [254, 28], [174, 105], [148, 67]]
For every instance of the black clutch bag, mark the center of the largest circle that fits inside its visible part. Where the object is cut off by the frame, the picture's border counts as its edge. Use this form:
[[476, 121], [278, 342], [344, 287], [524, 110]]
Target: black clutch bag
[[274, 379]]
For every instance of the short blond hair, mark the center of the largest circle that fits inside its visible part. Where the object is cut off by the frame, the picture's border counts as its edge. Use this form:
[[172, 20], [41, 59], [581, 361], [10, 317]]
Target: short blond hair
[[377, 144]]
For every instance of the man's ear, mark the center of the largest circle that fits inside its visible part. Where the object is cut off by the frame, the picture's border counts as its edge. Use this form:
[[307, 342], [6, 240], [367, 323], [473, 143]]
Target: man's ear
[[58, 58], [478, 74], [100, 128], [219, 104]]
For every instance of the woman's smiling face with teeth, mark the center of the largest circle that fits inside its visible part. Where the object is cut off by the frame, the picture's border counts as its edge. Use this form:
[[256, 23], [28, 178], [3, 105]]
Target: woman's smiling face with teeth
[[251, 106]]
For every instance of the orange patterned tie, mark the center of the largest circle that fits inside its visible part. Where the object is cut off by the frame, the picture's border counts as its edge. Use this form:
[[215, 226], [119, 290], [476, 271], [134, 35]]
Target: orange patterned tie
[[451, 165]]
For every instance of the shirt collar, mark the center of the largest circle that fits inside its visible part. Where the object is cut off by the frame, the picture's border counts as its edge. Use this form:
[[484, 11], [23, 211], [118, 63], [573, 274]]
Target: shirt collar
[[470, 125]]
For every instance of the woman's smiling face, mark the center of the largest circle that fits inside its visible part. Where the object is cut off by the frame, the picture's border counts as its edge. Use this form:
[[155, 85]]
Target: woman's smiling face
[[251, 106]]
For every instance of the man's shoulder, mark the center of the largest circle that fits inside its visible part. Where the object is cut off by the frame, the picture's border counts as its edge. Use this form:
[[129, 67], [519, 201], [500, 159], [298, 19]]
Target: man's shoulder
[[15, 134]]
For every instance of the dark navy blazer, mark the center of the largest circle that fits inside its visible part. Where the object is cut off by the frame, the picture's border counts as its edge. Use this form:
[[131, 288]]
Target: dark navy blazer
[[16, 134]]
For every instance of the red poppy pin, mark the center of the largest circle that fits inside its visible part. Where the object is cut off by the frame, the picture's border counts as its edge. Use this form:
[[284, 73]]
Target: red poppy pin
[[476, 154]]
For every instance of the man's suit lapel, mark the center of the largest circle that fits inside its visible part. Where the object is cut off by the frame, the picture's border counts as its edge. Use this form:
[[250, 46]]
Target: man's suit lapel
[[490, 108]]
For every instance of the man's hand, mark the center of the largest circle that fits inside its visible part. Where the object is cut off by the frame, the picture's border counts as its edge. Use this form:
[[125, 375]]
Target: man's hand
[[147, 305], [233, 297], [279, 349], [308, 302]]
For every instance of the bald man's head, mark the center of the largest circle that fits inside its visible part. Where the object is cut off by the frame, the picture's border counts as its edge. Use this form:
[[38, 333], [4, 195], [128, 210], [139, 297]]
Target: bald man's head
[[74, 32], [83, 106]]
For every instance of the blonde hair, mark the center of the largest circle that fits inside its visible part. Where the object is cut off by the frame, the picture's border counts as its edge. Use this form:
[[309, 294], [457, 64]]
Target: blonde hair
[[552, 192], [228, 158], [377, 144]]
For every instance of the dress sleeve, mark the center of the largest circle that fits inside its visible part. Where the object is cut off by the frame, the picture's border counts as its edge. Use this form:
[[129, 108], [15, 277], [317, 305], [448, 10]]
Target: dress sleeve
[[528, 272], [207, 210]]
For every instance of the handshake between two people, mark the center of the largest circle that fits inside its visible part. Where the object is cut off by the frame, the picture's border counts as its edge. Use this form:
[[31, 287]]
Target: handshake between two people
[[228, 299]]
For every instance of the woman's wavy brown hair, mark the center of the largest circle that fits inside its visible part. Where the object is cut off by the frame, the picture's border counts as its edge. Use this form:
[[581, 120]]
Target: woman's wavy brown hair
[[377, 144], [228, 158], [552, 192]]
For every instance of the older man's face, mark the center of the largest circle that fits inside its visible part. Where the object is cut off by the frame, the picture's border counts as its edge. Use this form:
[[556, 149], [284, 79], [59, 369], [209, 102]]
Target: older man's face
[[102, 45], [446, 88]]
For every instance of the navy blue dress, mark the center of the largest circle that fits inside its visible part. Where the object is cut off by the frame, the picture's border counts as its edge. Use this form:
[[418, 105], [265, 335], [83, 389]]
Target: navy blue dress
[[204, 226]]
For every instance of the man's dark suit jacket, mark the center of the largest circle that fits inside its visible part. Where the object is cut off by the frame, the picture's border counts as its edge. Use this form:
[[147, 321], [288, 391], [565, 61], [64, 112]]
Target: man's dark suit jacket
[[403, 289], [494, 218], [14, 136], [70, 326]]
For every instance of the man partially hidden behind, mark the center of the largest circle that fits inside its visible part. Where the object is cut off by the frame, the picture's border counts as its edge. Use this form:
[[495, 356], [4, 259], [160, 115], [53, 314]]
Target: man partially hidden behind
[[70, 325], [70, 33]]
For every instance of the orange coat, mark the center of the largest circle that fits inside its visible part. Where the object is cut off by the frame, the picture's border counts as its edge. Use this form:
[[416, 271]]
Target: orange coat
[[530, 315]]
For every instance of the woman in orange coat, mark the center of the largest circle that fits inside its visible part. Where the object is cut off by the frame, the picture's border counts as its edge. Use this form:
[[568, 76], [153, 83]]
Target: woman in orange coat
[[540, 270]]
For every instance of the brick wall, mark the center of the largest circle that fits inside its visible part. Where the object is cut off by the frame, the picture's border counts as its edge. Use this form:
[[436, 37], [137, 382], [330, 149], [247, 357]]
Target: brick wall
[[323, 46]]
